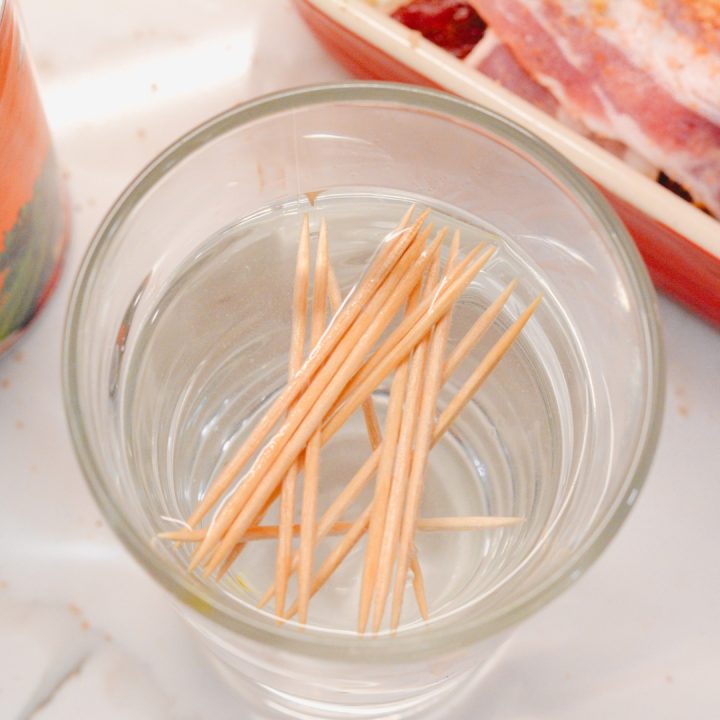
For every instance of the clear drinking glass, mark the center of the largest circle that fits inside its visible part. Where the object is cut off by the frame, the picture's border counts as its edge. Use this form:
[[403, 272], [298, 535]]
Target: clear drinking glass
[[177, 338]]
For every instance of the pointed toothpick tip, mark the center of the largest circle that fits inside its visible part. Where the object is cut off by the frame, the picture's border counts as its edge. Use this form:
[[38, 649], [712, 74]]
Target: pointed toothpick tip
[[408, 214], [432, 249], [197, 557], [423, 216], [527, 313]]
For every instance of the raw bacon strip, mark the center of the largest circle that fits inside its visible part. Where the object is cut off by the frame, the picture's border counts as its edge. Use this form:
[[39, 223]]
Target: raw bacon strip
[[697, 19], [619, 80], [675, 41], [494, 59]]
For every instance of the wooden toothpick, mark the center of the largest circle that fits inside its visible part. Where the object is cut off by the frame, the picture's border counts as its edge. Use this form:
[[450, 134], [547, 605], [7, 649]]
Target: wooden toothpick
[[459, 523], [297, 348], [391, 535], [384, 478], [312, 453], [371, 420], [478, 329]]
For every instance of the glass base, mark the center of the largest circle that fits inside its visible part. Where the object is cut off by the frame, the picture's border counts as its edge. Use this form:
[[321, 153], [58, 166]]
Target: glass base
[[272, 704]]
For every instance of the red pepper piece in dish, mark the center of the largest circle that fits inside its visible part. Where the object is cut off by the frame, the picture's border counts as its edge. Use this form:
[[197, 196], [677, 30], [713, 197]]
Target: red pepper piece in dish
[[453, 25]]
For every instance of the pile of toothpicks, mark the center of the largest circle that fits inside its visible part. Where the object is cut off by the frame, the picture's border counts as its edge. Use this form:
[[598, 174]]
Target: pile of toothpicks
[[349, 357]]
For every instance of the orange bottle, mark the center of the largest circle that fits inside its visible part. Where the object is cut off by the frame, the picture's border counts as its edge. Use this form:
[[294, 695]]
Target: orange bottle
[[33, 211]]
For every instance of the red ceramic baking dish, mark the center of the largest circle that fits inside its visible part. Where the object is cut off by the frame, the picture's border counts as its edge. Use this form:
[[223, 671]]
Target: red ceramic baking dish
[[679, 242]]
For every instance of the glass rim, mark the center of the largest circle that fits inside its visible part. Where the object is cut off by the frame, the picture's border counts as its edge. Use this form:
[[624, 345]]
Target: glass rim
[[415, 643]]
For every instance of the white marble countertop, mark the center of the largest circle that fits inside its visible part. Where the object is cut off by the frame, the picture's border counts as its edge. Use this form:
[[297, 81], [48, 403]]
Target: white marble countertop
[[85, 634]]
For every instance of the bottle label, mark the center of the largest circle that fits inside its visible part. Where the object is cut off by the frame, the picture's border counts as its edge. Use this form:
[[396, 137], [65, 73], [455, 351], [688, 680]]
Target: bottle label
[[33, 217]]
